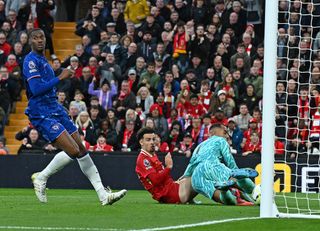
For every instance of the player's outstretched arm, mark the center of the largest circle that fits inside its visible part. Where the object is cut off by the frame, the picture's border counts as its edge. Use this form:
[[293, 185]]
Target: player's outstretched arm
[[38, 87]]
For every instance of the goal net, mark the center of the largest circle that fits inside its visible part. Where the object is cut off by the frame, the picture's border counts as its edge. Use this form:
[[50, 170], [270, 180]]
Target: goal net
[[296, 162]]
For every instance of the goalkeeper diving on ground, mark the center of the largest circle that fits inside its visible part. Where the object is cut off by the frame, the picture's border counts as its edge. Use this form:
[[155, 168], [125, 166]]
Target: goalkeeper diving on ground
[[211, 172]]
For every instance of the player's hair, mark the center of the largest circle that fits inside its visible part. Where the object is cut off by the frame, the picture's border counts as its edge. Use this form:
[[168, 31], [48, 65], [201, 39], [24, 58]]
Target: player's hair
[[215, 126], [143, 131], [35, 30]]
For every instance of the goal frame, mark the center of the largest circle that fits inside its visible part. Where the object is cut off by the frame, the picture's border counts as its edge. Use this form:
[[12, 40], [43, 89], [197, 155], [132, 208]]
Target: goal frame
[[268, 208]]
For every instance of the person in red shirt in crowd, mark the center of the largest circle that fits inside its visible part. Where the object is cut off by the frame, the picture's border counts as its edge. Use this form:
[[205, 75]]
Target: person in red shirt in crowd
[[160, 146], [219, 117], [315, 131], [5, 47], [75, 66], [205, 94], [258, 116], [127, 136], [194, 129], [278, 147], [183, 97], [193, 109], [253, 145], [300, 132], [186, 146], [253, 127], [155, 177], [102, 145]]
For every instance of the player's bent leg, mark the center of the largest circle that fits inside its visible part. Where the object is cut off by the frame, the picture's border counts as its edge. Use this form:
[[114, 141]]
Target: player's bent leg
[[89, 169], [59, 161], [186, 192]]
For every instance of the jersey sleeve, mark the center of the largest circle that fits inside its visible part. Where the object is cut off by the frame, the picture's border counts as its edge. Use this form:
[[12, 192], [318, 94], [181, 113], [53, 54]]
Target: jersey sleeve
[[144, 167], [227, 156], [30, 69]]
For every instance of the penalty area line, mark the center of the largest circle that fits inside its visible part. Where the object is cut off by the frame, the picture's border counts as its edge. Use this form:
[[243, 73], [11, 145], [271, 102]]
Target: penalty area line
[[198, 224]]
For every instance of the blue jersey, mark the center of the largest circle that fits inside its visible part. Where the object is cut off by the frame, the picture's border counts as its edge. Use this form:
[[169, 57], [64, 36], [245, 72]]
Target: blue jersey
[[215, 150], [44, 102]]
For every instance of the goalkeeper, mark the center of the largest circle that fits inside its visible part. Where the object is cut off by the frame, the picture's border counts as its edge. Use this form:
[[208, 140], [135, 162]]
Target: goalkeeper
[[215, 174]]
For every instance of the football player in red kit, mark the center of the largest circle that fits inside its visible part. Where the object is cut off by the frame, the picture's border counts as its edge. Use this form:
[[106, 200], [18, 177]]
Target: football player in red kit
[[155, 177]]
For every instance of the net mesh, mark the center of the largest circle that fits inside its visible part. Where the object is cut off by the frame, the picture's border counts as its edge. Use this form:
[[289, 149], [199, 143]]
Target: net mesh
[[297, 130]]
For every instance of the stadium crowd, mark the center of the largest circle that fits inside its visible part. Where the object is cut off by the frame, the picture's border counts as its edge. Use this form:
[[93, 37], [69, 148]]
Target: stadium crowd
[[178, 67]]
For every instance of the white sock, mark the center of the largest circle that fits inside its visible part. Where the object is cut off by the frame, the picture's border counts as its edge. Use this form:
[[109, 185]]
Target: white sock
[[59, 161], [90, 170]]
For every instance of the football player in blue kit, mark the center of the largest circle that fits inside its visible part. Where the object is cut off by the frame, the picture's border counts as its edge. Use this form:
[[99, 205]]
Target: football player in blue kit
[[53, 122]]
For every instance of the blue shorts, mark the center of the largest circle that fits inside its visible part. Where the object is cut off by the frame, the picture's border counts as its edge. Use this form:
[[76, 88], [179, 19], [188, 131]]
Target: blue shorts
[[53, 124]]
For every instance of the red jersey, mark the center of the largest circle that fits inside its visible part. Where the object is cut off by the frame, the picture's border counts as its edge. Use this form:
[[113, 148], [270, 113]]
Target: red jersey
[[156, 178], [195, 111]]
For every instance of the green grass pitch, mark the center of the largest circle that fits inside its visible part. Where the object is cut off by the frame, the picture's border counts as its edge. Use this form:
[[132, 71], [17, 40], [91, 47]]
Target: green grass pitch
[[80, 210]]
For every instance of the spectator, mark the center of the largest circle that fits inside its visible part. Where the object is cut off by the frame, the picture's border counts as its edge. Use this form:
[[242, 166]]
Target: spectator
[[14, 80], [220, 71], [136, 11], [249, 98], [91, 29], [150, 78], [105, 93], [84, 124], [186, 146], [4, 45], [160, 122], [3, 148], [108, 132], [144, 99], [94, 116], [127, 137], [252, 146], [117, 18], [102, 145], [124, 100], [62, 99], [235, 134], [80, 54], [77, 102], [32, 142], [115, 48], [23, 39], [242, 119], [161, 146], [130, 57], [146, 47], [180, 38], [109, 70], [75, 66], [200, 44], [229, 87], [255, 80], [219, 117], [94, 101], [227, 105]]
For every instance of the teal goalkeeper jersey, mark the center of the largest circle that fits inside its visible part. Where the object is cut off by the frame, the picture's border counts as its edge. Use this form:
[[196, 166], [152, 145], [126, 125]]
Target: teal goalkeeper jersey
[[214, 149]]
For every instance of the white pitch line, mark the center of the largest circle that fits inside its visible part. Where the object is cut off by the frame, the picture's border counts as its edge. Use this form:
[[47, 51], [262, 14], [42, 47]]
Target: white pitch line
[[56, 228], [198, 224], [145, 229]]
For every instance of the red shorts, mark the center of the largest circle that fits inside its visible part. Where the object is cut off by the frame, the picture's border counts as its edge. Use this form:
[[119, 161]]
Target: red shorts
[[171, 194]]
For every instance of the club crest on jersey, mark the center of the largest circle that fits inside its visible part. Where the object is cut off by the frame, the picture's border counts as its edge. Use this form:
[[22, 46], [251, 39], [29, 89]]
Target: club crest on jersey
[[55, 127], [31, 65], [147, 164]]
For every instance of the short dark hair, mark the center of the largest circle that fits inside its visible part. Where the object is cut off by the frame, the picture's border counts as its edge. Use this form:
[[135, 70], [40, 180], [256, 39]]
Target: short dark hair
[[215, 126], [144, 131]]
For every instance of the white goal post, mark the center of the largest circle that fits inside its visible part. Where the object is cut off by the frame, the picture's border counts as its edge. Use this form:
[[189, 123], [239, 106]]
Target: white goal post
[[268, 207]]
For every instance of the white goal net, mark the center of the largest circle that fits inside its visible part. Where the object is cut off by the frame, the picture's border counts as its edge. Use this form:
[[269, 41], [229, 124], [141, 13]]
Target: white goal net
[[297, 111]]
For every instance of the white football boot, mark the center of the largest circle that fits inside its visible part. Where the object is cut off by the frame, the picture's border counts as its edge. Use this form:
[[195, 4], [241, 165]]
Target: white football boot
[[112, 197], [39, 187]]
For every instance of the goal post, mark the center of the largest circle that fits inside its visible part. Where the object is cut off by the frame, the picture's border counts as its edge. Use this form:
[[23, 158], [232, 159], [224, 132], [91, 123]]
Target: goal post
[[304, 199], [267, 208]]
